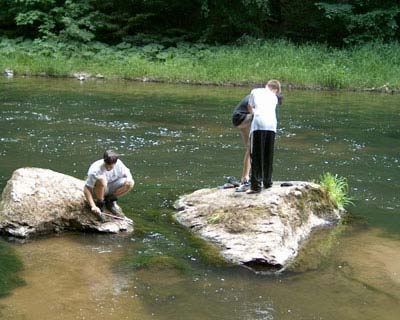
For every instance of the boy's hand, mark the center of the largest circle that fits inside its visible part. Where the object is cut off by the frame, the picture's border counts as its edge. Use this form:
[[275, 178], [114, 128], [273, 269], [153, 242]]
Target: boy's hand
[[96, 210]]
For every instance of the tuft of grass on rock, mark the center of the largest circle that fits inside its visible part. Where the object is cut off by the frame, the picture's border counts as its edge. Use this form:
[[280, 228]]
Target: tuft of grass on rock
[[337, 188]]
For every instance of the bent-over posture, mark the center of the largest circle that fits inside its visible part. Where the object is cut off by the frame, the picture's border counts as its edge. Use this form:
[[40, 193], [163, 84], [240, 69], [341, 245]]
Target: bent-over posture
[[262, 104]]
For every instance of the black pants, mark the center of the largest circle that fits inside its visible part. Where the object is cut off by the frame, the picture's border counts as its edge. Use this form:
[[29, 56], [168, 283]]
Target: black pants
[[262, 154]]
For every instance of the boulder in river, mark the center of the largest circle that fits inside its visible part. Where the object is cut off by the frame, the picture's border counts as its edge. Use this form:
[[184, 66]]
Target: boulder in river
[[258, 230], [39, 201]]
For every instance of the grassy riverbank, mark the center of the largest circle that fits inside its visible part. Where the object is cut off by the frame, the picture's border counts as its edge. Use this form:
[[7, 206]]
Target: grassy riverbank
[[371, 66]]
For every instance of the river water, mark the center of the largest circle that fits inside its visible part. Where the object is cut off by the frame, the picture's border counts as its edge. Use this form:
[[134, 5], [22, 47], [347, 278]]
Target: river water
[[177, 139]]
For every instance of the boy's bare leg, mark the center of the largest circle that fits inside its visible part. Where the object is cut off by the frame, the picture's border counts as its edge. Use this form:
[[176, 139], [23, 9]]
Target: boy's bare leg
[[245, 133], [100, 188], [246, 165], [111, 199], [124, 189]]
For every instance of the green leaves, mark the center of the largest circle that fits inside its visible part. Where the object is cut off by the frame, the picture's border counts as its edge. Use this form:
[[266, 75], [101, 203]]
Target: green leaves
[[168, 22], [364, 20], [65, 20]]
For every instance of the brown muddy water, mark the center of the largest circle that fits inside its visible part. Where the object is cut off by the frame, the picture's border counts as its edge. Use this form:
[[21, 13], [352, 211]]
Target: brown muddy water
[[177, 139]]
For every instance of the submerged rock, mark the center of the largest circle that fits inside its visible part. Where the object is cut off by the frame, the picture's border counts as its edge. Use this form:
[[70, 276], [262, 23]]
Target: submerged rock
[[9, 73], [40, 201], [81, 76], [258, 230]]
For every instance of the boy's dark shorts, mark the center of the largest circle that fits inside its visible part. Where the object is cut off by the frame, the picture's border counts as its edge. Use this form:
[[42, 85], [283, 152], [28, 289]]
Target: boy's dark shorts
[[238, 118]]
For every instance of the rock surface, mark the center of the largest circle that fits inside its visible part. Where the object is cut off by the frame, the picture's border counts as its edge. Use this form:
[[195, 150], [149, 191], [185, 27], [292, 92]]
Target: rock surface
[[39, 201], [264, 229]]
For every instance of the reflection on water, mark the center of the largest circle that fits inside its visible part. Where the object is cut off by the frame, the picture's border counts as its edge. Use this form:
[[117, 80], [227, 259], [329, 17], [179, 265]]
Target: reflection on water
[[71, 277], [177, 139]]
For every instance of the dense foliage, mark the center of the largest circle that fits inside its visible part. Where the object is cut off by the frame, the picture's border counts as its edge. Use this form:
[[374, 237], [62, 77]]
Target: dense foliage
[[214, 21]]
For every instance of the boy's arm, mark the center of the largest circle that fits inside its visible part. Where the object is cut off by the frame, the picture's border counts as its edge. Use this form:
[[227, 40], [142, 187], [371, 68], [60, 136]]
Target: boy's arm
[[126, 172], [251, 104], [89, 198]]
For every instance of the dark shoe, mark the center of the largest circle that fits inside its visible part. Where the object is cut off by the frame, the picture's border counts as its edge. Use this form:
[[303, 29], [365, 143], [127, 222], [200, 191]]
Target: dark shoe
[[101, 204], [286, 184], [102, 217], [111, 205]]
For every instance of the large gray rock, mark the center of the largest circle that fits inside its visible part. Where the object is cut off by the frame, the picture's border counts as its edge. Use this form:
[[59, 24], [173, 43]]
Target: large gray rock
[[265, 229], [39, 201]]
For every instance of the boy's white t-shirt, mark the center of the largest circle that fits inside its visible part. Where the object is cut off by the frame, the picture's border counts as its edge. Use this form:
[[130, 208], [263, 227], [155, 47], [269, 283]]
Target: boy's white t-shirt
[[263, 101], [98, 169]]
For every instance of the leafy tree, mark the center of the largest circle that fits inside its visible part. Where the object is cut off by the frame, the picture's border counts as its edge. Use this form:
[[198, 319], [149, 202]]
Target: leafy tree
[[145, 21], [364, 20], [228, 20], [167, 22], [66, 20]]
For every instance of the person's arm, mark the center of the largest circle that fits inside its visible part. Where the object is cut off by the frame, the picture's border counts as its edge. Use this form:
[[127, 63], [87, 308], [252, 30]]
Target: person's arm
[[128, 175], [89, 198], [250, 105], [126, 172]]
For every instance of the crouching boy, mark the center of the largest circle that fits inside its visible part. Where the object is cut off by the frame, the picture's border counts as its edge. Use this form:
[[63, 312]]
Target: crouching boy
[[107, 179]]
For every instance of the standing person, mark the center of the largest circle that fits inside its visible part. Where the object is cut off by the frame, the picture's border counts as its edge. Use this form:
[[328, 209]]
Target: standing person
[[108, 178], [262, 104], [241, 119]]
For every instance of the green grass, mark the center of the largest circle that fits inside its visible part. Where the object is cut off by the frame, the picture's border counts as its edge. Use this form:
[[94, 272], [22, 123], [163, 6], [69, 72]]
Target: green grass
[[371, 66], [338, 188]]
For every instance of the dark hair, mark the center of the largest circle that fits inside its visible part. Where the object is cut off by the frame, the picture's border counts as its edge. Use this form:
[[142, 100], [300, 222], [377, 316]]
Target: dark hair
[[110, 157]]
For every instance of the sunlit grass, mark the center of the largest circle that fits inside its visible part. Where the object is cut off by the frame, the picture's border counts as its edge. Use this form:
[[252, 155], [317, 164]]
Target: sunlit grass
[[337, 188], [309, 65]]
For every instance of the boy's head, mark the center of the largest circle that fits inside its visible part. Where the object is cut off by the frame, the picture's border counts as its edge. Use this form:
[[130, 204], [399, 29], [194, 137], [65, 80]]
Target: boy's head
[[110, 159], [274, 86]]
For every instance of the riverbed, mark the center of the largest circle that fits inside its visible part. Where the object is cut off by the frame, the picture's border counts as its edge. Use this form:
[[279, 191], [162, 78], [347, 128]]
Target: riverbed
[[177, 139]]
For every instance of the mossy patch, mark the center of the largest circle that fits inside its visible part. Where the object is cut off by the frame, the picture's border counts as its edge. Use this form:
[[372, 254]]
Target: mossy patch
[[10, 265], [162, 243], [317, 249], [316, 200], [237, 220]]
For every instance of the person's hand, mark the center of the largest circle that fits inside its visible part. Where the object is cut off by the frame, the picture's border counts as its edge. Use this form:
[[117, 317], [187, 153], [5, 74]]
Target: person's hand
[[96, 209]]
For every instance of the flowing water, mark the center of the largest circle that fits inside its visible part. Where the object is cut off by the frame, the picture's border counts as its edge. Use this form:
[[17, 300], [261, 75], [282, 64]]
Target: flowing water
[[177, 139]]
